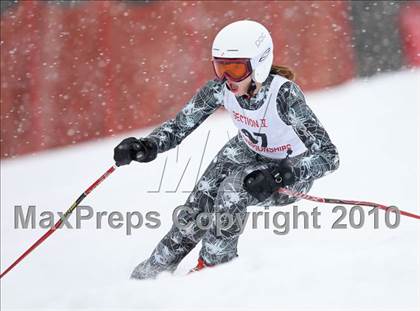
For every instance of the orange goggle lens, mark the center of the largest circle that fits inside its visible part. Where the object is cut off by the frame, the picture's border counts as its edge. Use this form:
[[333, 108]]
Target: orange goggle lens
[[234, 69]]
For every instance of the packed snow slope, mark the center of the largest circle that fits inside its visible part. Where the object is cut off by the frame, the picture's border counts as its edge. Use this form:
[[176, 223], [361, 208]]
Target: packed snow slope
[[374, 124]]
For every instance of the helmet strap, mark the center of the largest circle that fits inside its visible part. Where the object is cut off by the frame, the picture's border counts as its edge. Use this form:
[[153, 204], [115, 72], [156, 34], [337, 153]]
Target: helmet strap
[[251, 89]]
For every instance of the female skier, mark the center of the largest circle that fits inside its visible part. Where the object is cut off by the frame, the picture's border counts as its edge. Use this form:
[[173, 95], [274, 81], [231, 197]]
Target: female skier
[[280, 143]]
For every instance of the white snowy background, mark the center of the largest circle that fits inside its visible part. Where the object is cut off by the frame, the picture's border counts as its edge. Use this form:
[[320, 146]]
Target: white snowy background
[[375, 125]]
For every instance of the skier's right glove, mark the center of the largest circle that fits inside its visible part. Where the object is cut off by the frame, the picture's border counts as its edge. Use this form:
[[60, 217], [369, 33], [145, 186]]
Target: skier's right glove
[[133, 149]]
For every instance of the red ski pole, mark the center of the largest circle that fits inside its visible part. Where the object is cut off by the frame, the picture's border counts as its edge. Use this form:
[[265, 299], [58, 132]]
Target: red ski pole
[[60, 221], [344, 202]]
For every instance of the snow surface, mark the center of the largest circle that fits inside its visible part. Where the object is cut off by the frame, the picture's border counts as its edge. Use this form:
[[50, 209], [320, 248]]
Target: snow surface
[[374, 124]]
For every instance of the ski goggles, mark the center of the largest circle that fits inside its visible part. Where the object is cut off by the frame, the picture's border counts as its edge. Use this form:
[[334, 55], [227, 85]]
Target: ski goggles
[[235, 69]]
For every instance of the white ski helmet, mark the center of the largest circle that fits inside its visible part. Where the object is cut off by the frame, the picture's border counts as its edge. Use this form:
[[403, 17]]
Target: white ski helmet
[[246, 39]]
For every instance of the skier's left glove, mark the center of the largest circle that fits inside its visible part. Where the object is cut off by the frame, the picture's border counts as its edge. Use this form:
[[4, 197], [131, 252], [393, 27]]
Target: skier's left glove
[[133, 149], [261, 184]]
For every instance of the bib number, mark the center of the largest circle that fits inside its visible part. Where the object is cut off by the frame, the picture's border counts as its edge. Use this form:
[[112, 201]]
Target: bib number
[[255, 137]]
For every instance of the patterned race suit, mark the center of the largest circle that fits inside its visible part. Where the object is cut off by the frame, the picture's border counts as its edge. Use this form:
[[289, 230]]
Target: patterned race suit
[[220, 188]]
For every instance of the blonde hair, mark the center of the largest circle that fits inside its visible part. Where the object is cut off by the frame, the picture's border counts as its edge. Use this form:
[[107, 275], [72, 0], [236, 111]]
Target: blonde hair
[[283, 71]]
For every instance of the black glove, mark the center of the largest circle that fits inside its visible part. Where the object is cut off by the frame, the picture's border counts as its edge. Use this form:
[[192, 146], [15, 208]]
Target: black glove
[[133, 149], [261, 184]]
